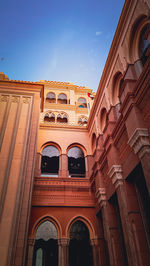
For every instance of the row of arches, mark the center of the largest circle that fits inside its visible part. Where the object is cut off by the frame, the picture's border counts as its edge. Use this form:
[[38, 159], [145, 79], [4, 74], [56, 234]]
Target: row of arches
[[139, 53], [50, 161], [51, 117], [62, 99], [46, 250]]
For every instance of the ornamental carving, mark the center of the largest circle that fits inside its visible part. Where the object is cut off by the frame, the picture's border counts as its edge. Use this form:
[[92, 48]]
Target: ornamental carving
[[26, 100], [115, 173], [101, 196], [4, 98], [15, 99], [140, 142]]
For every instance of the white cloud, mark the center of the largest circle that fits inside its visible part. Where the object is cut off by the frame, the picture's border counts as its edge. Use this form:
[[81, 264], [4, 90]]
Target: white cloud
[[98, 33]]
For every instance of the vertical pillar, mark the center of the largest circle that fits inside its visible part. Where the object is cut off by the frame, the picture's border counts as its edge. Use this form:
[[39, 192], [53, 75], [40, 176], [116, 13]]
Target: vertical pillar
[[140, 143], [111, 231], [30, 251], [63, 166], [63, 244], [131, 220], [94, 244]]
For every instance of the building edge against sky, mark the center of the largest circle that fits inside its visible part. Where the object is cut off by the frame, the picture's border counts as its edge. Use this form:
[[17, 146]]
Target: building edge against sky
[[86, 184]]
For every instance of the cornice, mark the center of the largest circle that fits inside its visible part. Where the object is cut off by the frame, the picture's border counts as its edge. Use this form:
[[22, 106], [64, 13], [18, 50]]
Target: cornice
[[62, 127]]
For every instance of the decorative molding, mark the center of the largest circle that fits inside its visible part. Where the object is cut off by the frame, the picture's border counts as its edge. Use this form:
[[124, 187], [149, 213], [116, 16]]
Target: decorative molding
[[63, 242], [101, 195], [26, 100], [139, 142], [15, 99], [4, 98], [94, 242], [115, 173], [31, 241]]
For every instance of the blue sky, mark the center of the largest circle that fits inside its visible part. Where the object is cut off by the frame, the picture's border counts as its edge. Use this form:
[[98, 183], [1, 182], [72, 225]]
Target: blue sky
[[61, 40]]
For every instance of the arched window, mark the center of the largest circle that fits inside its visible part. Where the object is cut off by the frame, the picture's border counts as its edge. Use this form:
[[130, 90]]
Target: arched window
[[103, 118], [62, 118], [49, 117], [144, 43], [116, 86], [93, 141], [62, 98], [76, 162], [46, 245], [80, 250], [83, 104], [50, 161], [82, 120], [51, 97]]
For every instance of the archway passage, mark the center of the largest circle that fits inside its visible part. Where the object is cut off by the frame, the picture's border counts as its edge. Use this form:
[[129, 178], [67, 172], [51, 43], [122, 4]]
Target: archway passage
[[80, 250], [46, 246]]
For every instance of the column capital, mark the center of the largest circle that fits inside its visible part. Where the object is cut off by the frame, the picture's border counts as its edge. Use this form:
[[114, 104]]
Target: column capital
[[115, 173], [31, 241], [139, 142], [94, 241], [101, 196], [63, 241]]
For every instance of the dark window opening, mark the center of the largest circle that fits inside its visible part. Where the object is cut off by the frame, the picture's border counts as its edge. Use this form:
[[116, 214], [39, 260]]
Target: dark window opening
[[62, 119], [50, 97], [50, 160], [62, 98], [80, 250], [49, 118], [76, 162], [144, 44]]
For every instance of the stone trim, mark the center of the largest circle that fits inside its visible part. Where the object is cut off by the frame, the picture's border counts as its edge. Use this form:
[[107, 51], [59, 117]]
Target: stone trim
[[115, 173], [63, 241], [139, 142], [101, 196]]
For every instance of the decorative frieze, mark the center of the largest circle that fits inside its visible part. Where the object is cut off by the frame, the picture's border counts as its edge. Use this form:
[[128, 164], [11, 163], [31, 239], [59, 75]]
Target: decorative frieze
[[115, 173], [101, 196], [139, 142], [4, 98]]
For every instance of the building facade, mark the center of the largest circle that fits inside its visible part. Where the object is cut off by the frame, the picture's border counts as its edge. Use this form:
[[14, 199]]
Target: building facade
[[75, 172]]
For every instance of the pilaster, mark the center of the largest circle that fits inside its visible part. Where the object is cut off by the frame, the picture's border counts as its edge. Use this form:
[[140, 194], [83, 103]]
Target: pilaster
[[63, 244], [31, 243]]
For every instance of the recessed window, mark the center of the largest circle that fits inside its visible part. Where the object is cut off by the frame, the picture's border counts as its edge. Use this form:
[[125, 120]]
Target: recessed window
[[144, 43], [50, 161], [76, 162], [62, 98], [49, 117], [51, 97], [83, 104]]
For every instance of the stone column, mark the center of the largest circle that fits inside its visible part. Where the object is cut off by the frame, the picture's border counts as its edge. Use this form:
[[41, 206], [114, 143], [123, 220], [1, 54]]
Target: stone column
[[111, 230], [140, 143], [94, 244], [63, 244], [131, 219], [63, 166], [31, 242]]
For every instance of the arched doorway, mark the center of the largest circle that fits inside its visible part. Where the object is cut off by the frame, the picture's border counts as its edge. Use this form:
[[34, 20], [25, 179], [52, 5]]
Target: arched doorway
[[80, 250], [46, 245]]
